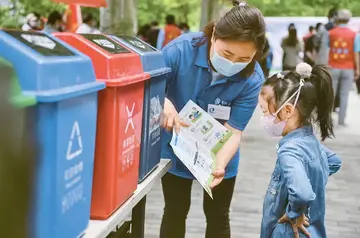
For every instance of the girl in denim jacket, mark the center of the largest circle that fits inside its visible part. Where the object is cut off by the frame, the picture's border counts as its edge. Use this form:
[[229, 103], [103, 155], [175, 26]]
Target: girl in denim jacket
[[292, 102]]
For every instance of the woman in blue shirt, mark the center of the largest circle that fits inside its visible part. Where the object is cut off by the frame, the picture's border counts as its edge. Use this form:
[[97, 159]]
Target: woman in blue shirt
[[213, 67], [291, 103]]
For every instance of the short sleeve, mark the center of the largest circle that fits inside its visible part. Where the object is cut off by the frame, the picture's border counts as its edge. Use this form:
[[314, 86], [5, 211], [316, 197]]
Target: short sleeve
[[172, 56], [357, 43], [333, 160], [244, 106]]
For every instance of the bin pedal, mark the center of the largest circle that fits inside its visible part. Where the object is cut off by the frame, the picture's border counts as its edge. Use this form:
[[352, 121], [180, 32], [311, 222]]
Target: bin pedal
[[122, 232]]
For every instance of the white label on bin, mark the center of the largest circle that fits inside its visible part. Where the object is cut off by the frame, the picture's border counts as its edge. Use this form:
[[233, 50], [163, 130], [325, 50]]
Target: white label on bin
[[130, 121], [72, 198], [42, 41], [138, 44], [75, 137], [105, 43]]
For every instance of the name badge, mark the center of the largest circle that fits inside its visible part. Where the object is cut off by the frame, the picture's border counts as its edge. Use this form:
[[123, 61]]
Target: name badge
[[219, 112]]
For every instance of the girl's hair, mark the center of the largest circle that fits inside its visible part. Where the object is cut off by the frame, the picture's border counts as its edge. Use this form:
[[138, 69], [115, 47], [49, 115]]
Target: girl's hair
[[292, 39], [315, 103], [242, 23]]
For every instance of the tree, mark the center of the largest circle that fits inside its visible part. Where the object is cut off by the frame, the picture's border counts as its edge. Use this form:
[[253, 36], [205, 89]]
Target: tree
[[119, 17], [43, 7], [212, 10], [184, 11]]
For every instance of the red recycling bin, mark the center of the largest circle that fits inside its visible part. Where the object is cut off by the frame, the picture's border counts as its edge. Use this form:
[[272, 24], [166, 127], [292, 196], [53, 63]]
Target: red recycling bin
[[119, 120]]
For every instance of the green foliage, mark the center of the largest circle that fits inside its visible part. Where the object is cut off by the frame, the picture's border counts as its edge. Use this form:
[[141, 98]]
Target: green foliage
[[43, 7], [12, 16], [184, 11], [304, 7]]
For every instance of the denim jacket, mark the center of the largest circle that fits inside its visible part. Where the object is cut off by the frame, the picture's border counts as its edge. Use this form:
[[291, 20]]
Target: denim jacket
[[297, 185]]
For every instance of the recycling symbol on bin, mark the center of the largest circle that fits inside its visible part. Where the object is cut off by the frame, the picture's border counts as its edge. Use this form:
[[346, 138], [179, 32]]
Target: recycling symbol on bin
[[75, 140]]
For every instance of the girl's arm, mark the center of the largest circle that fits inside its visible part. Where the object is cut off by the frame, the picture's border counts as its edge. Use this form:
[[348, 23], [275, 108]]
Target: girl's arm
[[300, 193]]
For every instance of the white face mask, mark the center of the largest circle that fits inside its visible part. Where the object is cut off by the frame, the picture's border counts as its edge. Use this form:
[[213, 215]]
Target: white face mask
[[226, 67], [268, 122], [33, 23]]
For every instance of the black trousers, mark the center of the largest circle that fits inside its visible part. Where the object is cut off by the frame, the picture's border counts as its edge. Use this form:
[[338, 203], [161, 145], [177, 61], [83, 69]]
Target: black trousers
[[337, 98], [358, 85], [177, 195]]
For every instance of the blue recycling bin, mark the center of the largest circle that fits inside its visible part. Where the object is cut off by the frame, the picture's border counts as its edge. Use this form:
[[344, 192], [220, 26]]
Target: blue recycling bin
[[63, 82], [153, 63]]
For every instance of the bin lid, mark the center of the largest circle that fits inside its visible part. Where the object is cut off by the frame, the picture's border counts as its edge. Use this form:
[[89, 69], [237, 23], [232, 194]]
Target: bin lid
[[46, 67], [17, 97], [114, 63], [85, 3], [152, 59]]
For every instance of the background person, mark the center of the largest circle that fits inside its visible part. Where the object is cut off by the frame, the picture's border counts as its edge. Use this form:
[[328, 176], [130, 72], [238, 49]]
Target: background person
[[153, 33], [87, 27], [309, 34], [33, 22], [217, 66], [170, 32], [344, 60], [292, 48], [184, 27], [54, 23]]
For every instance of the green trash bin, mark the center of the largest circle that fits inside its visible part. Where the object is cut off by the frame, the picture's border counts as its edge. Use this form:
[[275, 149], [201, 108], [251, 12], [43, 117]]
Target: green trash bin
[[17, 153], [17, 98]]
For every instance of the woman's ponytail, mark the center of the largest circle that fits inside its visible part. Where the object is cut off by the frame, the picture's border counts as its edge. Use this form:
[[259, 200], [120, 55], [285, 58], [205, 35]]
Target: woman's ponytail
[[238, 3], [321, 79]]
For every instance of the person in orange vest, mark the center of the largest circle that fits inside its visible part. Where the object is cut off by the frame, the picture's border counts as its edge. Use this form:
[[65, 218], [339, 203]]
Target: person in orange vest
[[170, 32], [344, 59]]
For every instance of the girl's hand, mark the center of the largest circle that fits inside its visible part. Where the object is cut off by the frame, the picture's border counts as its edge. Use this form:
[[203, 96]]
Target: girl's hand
[[171, 118], [297, 224]]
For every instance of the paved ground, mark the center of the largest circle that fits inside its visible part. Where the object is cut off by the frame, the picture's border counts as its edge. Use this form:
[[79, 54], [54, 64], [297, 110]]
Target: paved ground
[[258, 157]]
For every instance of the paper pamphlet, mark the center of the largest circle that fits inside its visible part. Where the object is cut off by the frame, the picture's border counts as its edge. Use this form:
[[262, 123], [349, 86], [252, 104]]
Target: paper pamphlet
[[197, 145]]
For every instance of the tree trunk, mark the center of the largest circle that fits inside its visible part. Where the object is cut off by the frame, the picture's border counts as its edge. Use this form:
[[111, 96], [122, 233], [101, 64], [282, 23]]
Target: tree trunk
[[204, 13], [212, 10], [119, 17]]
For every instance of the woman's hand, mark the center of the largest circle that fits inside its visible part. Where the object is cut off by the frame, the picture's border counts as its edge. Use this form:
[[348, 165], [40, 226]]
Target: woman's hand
[[171, 118], [297, 224], [218, 177]]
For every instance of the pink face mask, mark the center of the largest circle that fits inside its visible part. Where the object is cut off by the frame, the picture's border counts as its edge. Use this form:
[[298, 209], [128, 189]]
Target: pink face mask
[[268, 122]]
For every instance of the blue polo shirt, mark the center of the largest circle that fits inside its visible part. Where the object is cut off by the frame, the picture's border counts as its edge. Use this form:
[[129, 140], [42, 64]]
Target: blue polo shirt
[[191, 78]]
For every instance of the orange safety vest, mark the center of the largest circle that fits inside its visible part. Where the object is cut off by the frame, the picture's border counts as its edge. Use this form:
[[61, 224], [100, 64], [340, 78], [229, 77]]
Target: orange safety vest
[[171, 32], [341, 54]]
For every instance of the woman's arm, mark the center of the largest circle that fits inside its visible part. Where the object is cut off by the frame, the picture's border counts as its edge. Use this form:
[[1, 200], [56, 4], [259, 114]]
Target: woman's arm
[[300, 193], [171, 118], [227, 152], [242, 110]]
